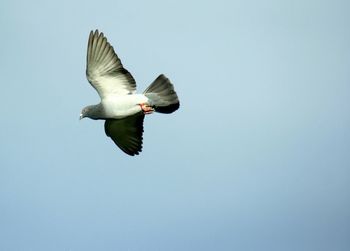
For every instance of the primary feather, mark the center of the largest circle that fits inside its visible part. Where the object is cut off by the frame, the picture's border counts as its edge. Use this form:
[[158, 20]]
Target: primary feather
[[105, 71]]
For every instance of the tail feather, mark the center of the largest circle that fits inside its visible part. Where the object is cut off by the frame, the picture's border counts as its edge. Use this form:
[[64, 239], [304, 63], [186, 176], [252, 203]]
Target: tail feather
[[162, 95]]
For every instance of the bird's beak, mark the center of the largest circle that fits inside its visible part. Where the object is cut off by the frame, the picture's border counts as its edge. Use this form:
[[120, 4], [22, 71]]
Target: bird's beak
[[81, 116]]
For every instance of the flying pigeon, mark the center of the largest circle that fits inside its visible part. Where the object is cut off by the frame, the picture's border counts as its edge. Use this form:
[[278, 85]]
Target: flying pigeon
[[122, 109]]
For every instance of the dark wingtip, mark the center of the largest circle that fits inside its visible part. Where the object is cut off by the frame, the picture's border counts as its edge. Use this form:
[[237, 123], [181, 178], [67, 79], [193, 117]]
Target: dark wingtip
[[130, 153]]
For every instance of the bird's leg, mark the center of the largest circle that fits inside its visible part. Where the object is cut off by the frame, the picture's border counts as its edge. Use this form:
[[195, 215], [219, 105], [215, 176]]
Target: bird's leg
[[146, 108]]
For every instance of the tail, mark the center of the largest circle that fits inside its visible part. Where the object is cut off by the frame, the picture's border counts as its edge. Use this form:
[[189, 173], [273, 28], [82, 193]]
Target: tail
[[162, 95]]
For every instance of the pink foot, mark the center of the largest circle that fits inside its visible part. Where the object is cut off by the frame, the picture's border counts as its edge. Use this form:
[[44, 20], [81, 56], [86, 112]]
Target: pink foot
[[146, 108]]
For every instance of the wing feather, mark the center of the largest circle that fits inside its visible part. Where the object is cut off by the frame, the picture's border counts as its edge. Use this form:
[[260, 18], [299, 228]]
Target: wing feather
[[126, 133], [104, 69]]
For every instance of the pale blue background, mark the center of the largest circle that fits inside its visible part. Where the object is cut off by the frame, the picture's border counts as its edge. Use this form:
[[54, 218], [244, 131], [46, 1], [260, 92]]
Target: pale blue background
[[257, 157]]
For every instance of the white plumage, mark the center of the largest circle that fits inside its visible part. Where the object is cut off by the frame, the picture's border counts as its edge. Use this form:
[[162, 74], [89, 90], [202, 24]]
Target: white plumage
[[120, 106]]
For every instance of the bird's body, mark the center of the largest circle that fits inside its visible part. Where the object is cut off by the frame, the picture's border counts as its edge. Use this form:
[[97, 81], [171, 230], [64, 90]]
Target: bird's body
[[123, 106], [117, 107], [120, 106]]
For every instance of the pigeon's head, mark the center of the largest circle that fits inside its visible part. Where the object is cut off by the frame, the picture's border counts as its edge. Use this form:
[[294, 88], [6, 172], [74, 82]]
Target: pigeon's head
[[87, 111], [84, 112], [92, 112]]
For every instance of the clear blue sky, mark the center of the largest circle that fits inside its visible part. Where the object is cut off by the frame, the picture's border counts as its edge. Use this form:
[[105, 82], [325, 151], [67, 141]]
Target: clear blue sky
[[257, 157]]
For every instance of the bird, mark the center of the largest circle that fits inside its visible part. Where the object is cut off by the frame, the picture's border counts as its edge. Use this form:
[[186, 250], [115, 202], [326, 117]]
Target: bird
[[121, 107]]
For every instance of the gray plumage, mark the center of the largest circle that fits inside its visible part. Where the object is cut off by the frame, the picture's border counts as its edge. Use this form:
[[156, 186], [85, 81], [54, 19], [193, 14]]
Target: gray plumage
[[120, 106], [162, 94], [126, 133]]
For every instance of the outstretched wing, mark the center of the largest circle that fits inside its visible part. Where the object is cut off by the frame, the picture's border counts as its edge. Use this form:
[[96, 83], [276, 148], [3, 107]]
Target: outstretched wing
[[104, 69], [126, 133]]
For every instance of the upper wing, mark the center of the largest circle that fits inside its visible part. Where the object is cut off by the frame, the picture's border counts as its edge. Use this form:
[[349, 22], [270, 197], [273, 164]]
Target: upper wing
[[126, 133], [104, 70]]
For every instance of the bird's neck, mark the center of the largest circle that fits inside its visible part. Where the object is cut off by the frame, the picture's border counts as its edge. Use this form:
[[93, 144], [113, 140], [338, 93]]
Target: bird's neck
[[96, 112]]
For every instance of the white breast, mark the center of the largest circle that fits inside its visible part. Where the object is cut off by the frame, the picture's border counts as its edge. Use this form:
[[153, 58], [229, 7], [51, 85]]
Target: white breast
[[123, 106]]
